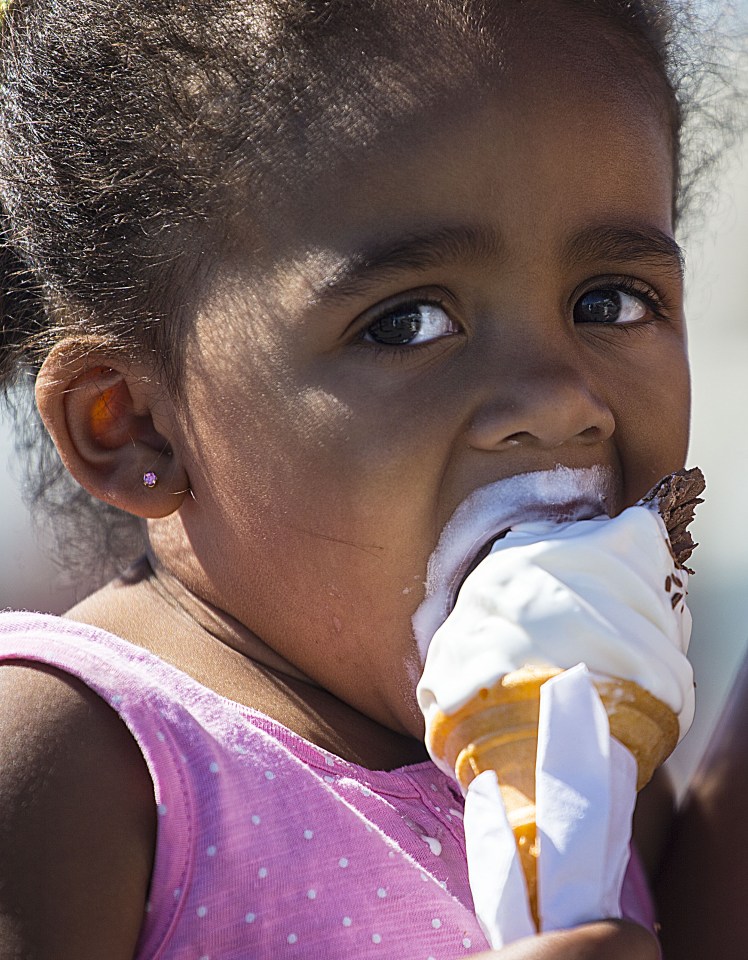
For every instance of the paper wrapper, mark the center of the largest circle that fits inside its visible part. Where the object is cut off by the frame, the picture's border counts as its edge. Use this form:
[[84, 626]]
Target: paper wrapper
[[585, 792]]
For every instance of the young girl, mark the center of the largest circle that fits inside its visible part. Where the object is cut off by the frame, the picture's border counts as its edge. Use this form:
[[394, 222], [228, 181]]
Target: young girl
[[294, 279]]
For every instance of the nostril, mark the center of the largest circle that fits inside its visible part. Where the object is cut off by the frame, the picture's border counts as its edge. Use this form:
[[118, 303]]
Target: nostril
[[515, 439], [594, 434], [556, 409]]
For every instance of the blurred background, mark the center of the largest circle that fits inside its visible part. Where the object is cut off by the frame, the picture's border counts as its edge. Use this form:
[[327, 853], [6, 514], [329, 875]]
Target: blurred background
[[717, 307]]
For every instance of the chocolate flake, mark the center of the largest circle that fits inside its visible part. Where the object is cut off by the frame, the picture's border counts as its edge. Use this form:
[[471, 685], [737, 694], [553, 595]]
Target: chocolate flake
[[676, 497]]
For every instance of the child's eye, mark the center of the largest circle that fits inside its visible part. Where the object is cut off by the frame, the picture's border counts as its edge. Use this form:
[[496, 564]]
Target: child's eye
[[410, 324], [613, 305]]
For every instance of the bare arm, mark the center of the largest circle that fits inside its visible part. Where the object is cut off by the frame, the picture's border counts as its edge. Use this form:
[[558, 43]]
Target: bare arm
[[702, 887], [77, 822]]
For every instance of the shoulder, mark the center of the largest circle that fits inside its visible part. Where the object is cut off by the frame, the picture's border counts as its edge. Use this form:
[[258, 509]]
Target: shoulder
[[77, 820]]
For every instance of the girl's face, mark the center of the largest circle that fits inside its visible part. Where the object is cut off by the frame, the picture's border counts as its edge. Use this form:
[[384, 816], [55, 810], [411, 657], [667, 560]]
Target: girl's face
[[490, 289]]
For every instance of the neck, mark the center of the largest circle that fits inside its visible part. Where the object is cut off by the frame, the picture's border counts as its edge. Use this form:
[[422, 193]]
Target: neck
[[215, 622], [151, 608]]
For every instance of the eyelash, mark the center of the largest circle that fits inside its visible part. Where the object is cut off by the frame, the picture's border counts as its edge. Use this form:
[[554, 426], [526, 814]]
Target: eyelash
[[414, 299], [654, 302], [658, 305]]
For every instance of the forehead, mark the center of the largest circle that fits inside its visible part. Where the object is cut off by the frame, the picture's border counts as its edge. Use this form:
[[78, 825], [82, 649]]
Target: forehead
[[370, 65], [539, 103]]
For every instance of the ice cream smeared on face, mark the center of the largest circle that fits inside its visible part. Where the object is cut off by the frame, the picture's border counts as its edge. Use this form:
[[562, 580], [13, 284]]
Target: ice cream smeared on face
[[605, 592], [560, 494]]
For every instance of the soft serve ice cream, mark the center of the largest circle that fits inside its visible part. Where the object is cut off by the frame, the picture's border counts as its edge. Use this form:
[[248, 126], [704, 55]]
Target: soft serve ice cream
[[605, 592]]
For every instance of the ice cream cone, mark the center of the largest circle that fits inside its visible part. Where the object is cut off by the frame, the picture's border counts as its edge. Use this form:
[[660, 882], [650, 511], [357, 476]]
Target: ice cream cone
[[498, 730], [606, 591]]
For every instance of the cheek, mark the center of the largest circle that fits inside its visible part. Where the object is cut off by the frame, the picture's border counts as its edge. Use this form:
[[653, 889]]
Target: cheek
[[672, 383], [653, 415], [286, 466], [257, 447]]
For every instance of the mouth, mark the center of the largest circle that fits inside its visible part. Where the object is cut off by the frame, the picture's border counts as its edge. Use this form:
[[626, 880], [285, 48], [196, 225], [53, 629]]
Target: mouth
[[473, 564], [489, 513], [563, 513]]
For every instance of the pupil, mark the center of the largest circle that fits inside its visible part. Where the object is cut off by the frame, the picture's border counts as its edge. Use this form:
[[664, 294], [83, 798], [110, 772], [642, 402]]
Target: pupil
[[396, 327], [598, 306]]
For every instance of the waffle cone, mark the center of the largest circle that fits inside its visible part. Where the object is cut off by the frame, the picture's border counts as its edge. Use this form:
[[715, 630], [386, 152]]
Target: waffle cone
[[498, 730]]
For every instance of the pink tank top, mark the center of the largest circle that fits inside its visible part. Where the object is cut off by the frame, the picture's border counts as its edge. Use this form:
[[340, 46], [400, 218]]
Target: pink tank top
[[268, 846]]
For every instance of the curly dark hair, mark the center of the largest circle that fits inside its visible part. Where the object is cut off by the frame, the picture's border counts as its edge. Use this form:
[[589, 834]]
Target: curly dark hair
[[133, 131]]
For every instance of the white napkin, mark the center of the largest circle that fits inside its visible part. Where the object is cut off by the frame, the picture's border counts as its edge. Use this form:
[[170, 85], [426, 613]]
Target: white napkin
[[585, 785]]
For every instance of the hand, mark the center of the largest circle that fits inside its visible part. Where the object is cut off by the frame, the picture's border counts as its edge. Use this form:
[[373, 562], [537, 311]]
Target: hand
[[604, 940]]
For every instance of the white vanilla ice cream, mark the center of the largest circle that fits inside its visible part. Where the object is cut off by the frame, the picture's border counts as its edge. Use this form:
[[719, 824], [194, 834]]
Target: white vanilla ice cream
[[605, 592]]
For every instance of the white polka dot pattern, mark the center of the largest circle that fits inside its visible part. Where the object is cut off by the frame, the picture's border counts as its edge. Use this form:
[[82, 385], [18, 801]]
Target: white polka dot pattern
[[266, 845]]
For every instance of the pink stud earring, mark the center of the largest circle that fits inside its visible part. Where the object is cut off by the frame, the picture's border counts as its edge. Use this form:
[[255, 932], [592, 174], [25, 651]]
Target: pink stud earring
[[150, 479]]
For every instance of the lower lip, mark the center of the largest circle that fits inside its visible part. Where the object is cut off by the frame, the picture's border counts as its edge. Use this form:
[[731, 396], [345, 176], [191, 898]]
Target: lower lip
[[475, 562]]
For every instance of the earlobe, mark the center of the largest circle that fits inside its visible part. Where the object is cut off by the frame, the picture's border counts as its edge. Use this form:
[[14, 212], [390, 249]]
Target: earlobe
[[110, 427]]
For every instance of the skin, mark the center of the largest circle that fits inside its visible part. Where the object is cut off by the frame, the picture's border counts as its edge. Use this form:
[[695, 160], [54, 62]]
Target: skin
[[705, 843], [306, 471]]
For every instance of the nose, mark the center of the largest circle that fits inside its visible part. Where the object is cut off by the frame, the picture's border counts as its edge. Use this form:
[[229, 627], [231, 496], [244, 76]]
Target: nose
[[544, 406]]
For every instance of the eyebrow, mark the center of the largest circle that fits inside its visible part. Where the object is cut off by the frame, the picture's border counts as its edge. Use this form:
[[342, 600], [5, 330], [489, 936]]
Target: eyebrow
[[413, 252], [364, 270], [627, 244]]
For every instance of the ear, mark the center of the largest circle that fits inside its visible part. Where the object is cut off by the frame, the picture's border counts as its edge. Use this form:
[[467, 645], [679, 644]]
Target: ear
[[112, 424]]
